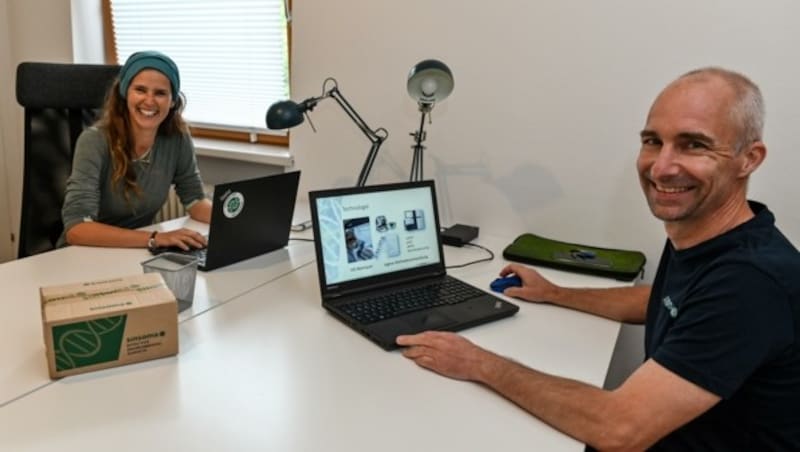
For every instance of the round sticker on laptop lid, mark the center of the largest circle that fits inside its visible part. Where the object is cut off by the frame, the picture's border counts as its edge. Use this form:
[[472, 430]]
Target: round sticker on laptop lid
[[233, 204]]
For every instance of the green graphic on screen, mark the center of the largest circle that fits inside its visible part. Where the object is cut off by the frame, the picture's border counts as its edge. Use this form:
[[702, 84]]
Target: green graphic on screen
[[86, 343]]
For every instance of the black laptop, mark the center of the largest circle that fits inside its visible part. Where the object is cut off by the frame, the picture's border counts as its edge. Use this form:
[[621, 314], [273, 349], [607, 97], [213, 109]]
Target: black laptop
[[248, 218], [381, 266]]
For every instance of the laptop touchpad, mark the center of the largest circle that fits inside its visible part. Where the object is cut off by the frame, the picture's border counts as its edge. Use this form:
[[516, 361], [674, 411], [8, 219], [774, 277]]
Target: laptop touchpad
[[430, 320]]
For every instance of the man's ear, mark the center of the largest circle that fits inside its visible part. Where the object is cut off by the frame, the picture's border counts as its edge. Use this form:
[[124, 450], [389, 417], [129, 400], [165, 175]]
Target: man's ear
[[752, 157]]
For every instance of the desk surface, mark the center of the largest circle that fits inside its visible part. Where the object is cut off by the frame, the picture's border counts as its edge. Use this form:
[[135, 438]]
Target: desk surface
[[21, 347], [263, 367]]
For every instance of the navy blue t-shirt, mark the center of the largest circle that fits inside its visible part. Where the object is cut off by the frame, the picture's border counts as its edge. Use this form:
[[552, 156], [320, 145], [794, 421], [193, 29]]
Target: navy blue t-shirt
[[725, 315]]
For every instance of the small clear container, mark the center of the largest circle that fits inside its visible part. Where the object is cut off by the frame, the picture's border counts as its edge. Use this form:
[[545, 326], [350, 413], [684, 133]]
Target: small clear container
[[179, 272]]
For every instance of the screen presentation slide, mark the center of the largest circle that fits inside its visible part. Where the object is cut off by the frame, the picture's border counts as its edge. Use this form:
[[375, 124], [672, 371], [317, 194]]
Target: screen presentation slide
[[369, 234]]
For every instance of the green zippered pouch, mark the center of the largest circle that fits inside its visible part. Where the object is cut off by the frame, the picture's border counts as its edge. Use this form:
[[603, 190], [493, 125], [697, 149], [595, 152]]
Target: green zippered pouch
[[532, 249]]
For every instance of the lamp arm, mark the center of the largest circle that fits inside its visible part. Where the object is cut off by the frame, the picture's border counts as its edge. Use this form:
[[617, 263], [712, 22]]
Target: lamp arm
[[376, 137], [365, 170], [372, 135]]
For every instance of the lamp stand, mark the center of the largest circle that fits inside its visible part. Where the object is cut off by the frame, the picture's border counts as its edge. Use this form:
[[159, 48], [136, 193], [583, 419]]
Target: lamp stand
[[419, 137]]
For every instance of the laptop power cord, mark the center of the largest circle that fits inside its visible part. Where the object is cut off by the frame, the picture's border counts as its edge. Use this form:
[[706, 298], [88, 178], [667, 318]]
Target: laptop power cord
[[485, 259], [461, 235]]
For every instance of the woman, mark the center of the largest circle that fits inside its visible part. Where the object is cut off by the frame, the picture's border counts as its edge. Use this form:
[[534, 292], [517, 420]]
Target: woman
[[124, 165]]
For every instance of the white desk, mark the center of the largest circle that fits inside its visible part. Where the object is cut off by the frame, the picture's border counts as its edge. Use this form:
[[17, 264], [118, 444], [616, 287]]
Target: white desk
[[270, 370], [23, 366]]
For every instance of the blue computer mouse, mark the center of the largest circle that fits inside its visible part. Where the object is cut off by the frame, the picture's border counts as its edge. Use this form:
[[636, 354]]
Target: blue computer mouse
[[501, 284]]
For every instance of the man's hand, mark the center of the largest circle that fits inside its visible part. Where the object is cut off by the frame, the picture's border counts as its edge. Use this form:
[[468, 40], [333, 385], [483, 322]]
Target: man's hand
[[447, 353], [650, 404], [534, 286]]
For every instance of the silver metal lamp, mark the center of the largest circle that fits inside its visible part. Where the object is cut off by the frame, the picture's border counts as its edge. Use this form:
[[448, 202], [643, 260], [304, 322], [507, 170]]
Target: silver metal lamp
[[429, 81]]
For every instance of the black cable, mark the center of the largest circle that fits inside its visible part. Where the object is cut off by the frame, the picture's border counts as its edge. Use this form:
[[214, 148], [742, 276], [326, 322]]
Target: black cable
[[300, 227], [301, 240], [485, 259]]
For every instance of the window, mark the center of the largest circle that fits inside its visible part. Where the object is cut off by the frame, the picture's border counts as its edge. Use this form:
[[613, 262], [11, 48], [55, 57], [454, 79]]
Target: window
[[233, 57]]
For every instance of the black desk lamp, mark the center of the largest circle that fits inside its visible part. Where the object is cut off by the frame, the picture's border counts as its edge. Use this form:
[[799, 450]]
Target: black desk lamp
[[286, 114], [429, 81]]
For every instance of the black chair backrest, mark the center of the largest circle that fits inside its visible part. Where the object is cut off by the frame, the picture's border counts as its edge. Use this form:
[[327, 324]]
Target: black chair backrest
[[60, 100]]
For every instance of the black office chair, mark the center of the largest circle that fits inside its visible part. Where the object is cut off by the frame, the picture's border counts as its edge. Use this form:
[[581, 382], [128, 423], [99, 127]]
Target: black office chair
[[60, 100]]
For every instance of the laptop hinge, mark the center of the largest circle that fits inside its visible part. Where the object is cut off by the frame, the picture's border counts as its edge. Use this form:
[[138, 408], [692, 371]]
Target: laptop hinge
[[391, 283]]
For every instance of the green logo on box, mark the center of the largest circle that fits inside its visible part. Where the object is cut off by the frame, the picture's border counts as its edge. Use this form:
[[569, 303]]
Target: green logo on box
[[85, 343]]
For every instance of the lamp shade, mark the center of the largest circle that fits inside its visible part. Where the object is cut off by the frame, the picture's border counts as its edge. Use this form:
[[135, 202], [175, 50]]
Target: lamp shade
[[284, 114], [430, 81]]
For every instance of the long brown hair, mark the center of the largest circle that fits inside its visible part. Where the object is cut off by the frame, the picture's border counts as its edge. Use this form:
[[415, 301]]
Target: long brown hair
[[116, 124]]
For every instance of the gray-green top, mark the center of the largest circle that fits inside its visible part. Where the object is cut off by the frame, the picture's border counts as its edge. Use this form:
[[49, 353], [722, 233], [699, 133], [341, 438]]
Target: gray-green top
[[91, 196]]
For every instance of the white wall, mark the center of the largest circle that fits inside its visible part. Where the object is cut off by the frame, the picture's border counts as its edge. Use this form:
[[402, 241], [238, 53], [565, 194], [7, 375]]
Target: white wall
[[35, 30], [87, 31], [6, 112], [541, 132]]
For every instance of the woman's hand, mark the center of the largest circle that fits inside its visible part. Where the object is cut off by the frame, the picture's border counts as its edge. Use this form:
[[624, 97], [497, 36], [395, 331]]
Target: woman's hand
[[183, 238]]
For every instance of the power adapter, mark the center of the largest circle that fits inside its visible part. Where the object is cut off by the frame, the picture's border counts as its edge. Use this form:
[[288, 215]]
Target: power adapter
[[459, 235]]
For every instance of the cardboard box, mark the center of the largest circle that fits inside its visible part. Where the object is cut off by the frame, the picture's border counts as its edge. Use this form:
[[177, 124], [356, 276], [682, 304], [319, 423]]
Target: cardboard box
[[100, 324]]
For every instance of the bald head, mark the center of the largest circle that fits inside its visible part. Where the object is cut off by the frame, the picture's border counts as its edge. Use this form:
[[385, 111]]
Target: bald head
[[743, 100]]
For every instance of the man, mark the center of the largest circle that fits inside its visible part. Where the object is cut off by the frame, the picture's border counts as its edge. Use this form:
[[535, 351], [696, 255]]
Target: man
[[722, 337]]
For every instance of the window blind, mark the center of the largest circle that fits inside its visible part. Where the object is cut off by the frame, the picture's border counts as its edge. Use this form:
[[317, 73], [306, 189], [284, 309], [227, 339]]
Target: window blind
[[232, 55]]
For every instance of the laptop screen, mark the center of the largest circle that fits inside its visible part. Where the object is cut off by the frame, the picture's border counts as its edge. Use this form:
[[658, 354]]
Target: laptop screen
[[373, 231]]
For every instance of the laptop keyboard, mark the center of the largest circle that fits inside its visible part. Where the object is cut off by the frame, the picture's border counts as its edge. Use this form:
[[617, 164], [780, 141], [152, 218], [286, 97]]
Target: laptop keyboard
[[442, 292], [200, 254]]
